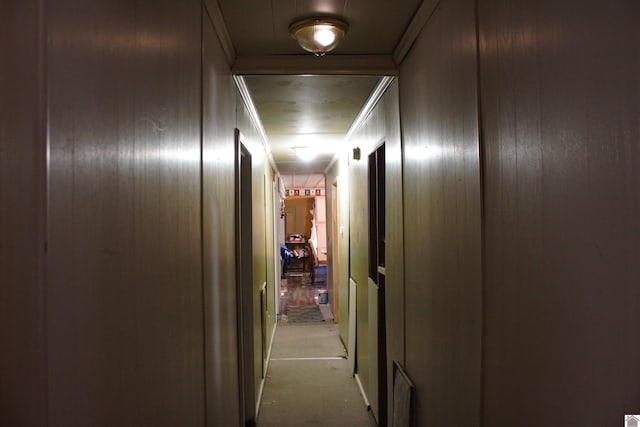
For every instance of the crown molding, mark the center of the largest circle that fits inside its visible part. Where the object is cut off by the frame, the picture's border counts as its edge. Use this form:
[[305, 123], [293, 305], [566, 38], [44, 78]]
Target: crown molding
[[385, 65], [255, 118], [309, 64], [372, 101], [376, 95], [419, 20], [215, 15]]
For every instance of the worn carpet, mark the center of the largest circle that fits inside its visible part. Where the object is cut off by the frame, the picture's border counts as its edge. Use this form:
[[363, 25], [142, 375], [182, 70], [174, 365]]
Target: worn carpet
[[304, 313], [309, 382]]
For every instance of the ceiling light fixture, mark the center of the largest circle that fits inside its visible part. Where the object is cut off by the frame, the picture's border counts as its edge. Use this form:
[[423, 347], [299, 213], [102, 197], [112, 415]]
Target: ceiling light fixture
[[318, 35], [305, 153]]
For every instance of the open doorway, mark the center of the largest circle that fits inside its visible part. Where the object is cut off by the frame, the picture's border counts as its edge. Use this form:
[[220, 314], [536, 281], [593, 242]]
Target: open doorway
[[303, 289], [303, 285]]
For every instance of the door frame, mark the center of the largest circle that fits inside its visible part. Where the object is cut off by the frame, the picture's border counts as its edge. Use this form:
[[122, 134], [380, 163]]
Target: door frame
[[244, 279], [335, 251], [376, 171]]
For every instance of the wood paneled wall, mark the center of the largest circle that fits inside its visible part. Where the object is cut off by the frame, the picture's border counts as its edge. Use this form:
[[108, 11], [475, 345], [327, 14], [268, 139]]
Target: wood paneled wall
[[138, 321], [22, 223], [555, 308], [442, 215], [263, 249], [394, 238], [339, 173], [218, 210], [560, 110], [124, 280], [381, 126]]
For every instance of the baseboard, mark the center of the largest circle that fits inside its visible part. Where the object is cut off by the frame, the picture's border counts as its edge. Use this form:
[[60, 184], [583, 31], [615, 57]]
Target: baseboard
[[266, 370], [273, 335], [364, 395]]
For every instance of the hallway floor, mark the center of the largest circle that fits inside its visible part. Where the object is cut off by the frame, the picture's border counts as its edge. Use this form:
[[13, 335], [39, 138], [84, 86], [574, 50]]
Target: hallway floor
[[300, 297], [308, 382]]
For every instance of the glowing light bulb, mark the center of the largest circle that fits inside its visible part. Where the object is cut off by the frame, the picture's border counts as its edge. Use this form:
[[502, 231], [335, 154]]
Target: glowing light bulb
[[324, 35], [305, 153]]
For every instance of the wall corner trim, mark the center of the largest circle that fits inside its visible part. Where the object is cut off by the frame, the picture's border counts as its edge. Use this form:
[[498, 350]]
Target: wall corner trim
[[362, 393], [296, 64], [375, 96], [266, 370], [217, 19], [255, 118], [419, 20]]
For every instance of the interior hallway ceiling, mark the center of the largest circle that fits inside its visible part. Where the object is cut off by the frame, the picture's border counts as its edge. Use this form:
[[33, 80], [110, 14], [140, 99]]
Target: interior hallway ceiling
[[303, 100], [308, 111]]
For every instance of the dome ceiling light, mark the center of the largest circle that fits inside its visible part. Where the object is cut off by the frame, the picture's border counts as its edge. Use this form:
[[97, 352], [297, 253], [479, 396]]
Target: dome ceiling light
[[318, 35], [305, 153]]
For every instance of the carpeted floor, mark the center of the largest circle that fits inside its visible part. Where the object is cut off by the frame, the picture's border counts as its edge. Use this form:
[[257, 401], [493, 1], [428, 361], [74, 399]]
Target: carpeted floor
[[304, 313], [308, 381]]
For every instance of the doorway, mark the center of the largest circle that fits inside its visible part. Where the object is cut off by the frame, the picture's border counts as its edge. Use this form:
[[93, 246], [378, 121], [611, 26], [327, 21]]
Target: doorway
[[244, 280], [302, 289], [335, 252], [377, 274]]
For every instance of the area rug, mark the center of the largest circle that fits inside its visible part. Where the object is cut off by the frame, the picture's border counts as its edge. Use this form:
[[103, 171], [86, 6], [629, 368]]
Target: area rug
[[304, 313]]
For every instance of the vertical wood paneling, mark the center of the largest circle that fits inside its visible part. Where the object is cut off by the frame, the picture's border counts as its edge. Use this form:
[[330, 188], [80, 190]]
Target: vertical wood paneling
[[366, 138], [125, 308], [272, 257], [339, 173], [262, 256], [218, 189], [22, 221], [442, 218], [371, 306], [394, 239], [560, 94], [381, 126]]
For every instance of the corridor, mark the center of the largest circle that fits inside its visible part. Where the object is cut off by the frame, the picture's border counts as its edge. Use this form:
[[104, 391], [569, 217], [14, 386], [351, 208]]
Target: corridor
[[309, 381], [478, 161]]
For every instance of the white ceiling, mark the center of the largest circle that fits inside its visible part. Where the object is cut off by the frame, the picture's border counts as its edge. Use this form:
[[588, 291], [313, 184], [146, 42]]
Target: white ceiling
[[307, 111], [300, 99], [303, 181]]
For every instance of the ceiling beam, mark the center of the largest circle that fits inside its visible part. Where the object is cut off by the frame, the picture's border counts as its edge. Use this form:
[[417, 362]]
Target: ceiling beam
[[309, 64]]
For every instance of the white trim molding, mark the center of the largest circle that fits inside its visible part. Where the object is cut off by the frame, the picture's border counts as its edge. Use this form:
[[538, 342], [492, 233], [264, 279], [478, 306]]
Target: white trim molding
[[367, 108], [220, 27], [309, 64], [255, 118]]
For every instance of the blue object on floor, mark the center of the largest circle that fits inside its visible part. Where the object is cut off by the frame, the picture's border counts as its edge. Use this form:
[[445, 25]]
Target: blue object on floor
[[323, 297]]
